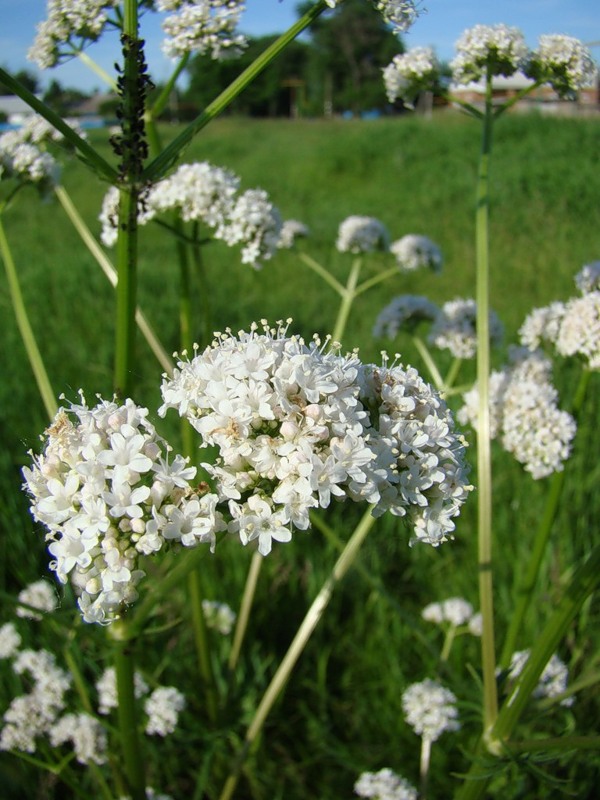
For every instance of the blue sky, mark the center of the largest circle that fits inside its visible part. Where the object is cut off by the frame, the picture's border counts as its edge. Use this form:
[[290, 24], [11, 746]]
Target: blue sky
[[440, 26]]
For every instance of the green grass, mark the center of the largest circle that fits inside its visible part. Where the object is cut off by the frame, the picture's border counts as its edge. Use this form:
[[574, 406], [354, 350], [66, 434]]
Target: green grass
[[341, 712]]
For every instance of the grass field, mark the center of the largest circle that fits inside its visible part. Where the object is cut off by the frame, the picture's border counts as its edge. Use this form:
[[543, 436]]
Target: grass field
[[341, 712]]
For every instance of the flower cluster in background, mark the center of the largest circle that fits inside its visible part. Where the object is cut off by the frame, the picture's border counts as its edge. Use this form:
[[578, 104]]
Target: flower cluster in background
[[409, 73], [25, 162], [454, 611], [108, 493], [296, 425], [498, 48], [553, 680], [359, 234], [430, 709], [524, 413], [202, 26], [562, 61], [572, 327], [218, 616], [384, 785], [42, 712], [414, 251], [201, 192]]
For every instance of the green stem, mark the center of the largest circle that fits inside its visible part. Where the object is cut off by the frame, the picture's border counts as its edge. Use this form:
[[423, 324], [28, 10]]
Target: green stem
[[244, 614], [88, 153], [163, 98], [97, 69], [25, 329], [347, 300], [484, 465], [196, 595], [564, 743], [368, 284], [452, 373], [158, 167], [207, 326], [424, 767], [127, 711], [305, 631], [540, 543], [584, 581], [429, 362], [98, 253], [448, 642], [322, 272], [126, 291]]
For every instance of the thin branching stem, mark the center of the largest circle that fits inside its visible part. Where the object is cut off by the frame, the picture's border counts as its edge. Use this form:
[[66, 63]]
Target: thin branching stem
[[244, 614], [347, 300], [33, 353], [322, 272]]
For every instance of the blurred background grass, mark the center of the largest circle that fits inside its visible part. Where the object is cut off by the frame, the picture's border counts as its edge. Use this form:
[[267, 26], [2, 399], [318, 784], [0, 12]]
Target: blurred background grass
[[341, 712]]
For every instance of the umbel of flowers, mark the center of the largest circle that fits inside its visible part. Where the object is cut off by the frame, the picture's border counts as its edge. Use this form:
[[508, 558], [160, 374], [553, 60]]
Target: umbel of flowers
[[295, 424]]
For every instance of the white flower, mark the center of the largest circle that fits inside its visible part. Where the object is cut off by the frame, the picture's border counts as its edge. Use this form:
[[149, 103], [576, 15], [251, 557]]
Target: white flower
[[296, 425], [218, 616], [542, 324], [202, 26], [454, 328], [524, 413], [85, 733], [430, 709], [163, 707], [414, 251], [70, 23], [410, 73], [104, 490], [579, 331], [384, 785], [10, 640], [40, 595], [25, 162], [400, 14], [564, 62], [497, 48], [405, 311], [290, 231], [454, 610], [553, 680], [254, 222], [358, 234]]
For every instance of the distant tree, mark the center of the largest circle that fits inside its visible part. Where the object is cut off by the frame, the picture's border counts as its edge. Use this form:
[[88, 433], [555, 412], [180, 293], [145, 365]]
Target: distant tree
[[349, 48], [25, 77], [62, 100], [275, 92]]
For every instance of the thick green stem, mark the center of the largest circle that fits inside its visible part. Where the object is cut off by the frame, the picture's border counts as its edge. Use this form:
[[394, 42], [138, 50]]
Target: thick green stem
[[347, 300], [25, 329], [157, 168], [585, 580], [540, 542], [305, 631], [98, 253], [244, 614], [127, 711], [484, 464]]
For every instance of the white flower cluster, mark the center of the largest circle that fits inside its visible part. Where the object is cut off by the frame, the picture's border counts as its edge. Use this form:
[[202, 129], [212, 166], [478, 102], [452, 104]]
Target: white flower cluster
[[39, 595], [291, 230], [564, 62], [107, 493], [384, 785], [204, 193], [68, 22], [218, 616], [400, 14], [454, 328], [410, 73], [296, 425], [404, 311], [454, 610], [358, 234], [430, 709], [85, 733], [524, 413], [10, 640], [162, 706], [414, 252], [572, 327], [23, 161], [201, 26], [498, 48], [32, 715], [553, 680]]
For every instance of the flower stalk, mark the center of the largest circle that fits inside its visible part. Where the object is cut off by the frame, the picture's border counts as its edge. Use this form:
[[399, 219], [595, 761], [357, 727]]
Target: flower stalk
[[347, 300]]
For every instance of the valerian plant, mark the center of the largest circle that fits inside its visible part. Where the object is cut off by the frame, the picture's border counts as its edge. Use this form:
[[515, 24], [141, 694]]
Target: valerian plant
[[274, 430]]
